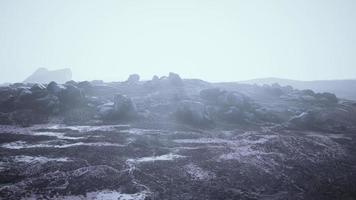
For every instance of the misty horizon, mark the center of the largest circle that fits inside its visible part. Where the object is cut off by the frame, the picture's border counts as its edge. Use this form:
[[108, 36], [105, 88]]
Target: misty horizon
[[273, 79], [179, 100]]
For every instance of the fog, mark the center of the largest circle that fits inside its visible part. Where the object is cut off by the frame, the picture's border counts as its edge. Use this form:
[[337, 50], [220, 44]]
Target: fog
[[185, 99], [225, 40]]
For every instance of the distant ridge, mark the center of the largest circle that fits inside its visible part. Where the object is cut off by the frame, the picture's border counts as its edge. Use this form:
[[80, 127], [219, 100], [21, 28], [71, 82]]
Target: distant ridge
[[43, 75], [342, 88]]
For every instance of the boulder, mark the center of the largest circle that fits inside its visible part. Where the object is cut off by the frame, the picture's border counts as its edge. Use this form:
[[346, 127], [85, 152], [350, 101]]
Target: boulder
[[38, 87], [211, 95], [71, 96], [308, 92], [84, 85], [106, 110], [124, 107], [233, 99], [38, 90], [54, 88], [49, 104], [325, 119], [133, 79], [155, 78], [25, 96], [71, 82], [327, 98], [175, 79], [224, 98], [193, 113]]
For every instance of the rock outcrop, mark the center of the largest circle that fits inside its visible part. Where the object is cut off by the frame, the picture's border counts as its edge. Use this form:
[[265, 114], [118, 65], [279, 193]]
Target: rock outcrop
[[194, 113], [133, 79], [43, 75]]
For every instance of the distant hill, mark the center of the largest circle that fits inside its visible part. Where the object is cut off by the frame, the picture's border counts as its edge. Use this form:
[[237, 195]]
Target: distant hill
[[43, 75], [342, 88]]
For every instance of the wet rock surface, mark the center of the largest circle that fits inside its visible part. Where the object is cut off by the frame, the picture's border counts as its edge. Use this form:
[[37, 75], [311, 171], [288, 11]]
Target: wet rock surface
[[59, 161], [173, 138]]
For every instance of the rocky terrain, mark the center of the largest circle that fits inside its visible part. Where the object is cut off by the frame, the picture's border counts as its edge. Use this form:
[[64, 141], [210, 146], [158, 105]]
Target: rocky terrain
[[173, 138], [343, 88]]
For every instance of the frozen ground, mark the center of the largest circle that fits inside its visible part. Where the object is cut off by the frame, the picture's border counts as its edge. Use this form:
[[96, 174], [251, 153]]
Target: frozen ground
[[132, 163]]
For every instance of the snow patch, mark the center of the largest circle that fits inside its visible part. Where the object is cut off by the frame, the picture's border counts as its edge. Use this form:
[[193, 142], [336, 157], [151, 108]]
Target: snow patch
[[39, 159], [137, 131], [24, 145], [90, 128], [57, 135], [166, 157], [100, 195]]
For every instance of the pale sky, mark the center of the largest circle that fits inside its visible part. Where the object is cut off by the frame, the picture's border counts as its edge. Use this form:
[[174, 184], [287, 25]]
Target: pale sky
[[220, 40]]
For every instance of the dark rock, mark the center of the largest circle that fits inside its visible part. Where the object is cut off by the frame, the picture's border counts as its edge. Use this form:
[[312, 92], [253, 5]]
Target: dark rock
[[306, 120], [232, 99], [71, 82], [106, 110], [224, 98], [84, 85], [193, 113], [124, 108], [155, 78], [325, 119], [308, 92], [175, 79], [133, 79], [8, 103], [211, 95], [49, 104], [79, 115], [71, 97], [25, 95], [54, 88], [5, 118], [328, 98], [27, 117], [38, 87]]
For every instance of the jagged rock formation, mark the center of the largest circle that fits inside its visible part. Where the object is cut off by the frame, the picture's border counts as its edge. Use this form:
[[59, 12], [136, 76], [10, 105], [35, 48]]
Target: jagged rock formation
[[174, 138], [188, 101], [43, 75]]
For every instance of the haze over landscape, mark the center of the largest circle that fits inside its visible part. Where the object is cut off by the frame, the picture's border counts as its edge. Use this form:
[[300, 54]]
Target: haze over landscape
[[212, 40], [178, 100]]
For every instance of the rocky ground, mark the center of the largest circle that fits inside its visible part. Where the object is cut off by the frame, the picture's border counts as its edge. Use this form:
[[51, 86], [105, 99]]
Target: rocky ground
[[171, 138]]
